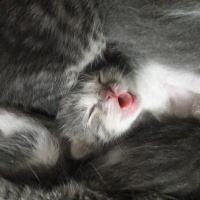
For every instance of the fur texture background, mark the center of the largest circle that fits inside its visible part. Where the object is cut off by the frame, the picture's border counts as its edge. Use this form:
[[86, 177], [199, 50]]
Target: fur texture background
[[44, 45]]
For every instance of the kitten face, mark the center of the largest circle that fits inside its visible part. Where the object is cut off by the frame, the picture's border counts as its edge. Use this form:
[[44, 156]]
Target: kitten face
[[100, 108], [105, 103]]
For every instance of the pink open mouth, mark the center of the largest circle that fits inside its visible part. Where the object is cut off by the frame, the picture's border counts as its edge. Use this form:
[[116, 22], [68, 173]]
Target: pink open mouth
[[124, 103], [128, 104]]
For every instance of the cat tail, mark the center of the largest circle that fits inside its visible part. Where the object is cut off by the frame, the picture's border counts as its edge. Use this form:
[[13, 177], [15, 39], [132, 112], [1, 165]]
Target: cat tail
[[25, 143]]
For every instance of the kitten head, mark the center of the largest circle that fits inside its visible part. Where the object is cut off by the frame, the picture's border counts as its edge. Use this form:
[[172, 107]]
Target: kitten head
[[101, 107]]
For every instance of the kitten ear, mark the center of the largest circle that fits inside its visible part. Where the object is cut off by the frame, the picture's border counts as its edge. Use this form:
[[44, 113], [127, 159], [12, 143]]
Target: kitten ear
[[80, 149]]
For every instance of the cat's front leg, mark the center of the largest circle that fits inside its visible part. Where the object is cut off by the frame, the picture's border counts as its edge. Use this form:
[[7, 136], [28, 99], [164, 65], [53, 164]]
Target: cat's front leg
[[24, 142]]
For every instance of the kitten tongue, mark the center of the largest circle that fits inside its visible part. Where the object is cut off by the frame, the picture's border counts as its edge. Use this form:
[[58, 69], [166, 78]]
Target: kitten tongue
[[124, 104], [125, 100]]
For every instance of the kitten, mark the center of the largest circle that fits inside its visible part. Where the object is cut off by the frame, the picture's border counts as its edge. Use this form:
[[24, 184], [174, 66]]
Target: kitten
[[162, 75], [108, 102], [44, 45], [174, 45]]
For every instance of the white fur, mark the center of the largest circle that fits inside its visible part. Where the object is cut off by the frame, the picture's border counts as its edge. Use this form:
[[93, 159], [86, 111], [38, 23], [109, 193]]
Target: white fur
[[10, 123], [158, 85], [46, 148], [46, 151], [113, 122], [150, 87]]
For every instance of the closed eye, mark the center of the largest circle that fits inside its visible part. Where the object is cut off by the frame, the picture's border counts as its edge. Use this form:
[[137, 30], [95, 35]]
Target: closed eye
[[92, 110]]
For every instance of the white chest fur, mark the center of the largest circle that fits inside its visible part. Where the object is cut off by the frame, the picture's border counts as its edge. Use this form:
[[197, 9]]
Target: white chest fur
[[162, 89]]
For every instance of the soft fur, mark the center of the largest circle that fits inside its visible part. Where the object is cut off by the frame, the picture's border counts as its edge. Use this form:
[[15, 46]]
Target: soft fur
[[44, 45], [156, 161], [162, 157], [91, 113]]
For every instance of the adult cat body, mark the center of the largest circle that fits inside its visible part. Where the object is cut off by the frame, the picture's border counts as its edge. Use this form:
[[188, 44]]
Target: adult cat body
[[44, 45], [164, 31]]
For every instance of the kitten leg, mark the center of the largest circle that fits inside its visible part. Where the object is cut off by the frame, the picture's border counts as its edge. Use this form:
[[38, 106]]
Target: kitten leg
[[24, 142]]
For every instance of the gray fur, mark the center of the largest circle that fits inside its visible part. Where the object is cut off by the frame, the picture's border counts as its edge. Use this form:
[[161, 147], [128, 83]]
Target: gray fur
[[164, 32], [49, 51], [88, 120], [158, 161], [159, 156], [70, 191], [44, 45], [25, 143], [37, 70]]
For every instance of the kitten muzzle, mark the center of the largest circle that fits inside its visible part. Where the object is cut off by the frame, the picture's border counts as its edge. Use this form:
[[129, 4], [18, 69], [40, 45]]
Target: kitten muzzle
[[124, 103]]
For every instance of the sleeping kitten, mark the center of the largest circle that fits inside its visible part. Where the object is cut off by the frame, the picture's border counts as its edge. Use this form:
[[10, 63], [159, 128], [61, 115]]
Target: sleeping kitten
[[161, 42], [44, 45], [107, 102]]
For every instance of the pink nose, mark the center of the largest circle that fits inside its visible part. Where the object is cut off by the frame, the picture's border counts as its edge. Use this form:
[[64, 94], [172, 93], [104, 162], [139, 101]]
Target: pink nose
[[125, 100]]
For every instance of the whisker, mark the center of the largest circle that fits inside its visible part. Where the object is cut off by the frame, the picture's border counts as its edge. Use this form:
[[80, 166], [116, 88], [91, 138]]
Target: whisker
[[34, 173], [97, 172]]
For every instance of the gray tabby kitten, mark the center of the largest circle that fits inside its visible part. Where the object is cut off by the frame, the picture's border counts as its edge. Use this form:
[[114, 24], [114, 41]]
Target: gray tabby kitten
[[106, 103], [161, 73], [44, 45]]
